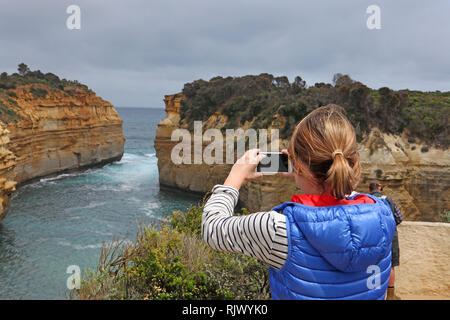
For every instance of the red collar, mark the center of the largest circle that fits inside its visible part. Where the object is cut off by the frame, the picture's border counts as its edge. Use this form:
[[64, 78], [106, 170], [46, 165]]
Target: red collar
[[326, 200]]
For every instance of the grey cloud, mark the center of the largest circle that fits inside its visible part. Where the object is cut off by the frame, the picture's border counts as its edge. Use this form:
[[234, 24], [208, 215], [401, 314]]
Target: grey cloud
[[133, 52]]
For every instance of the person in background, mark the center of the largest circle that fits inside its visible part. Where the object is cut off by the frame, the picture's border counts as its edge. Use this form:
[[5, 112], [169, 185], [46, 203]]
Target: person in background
[[376, 189], [324, 244]]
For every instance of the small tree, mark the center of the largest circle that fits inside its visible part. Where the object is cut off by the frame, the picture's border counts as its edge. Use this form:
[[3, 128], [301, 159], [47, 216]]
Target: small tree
[[23, 69], [52, 78], [300, 82], [281, 82], [340, 79], [336, 77], [298, 85]]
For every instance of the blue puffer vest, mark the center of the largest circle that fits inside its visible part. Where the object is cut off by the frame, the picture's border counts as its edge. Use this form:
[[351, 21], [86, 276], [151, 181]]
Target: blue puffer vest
[[335, 252]]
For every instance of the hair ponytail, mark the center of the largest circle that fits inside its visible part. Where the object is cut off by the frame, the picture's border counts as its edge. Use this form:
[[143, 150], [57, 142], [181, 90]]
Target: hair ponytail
[[323, 148], [340, 177]]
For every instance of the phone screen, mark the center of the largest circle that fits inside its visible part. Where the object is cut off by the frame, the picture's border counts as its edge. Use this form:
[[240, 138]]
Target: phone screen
[[273, 162]]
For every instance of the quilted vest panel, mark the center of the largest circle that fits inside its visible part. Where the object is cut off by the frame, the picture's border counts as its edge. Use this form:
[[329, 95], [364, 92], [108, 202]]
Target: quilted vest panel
[[335, 252]]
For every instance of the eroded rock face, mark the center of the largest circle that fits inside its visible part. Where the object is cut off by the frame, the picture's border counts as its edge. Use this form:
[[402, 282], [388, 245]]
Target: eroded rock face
[[57, 133], [7, 165], [415, 176]]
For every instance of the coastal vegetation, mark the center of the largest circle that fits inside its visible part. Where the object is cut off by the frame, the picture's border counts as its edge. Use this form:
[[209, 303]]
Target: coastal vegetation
[[259, 100], [445, 216], [6, 113], [39, 84], [25, 76], [172, 262]]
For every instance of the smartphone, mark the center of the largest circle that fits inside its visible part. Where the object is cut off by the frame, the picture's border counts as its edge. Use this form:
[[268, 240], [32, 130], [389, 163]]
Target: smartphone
[[273, 163]]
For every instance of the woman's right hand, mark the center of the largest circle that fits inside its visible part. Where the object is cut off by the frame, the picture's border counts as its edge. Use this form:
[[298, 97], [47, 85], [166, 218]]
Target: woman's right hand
[[244, 169], [287, 174]]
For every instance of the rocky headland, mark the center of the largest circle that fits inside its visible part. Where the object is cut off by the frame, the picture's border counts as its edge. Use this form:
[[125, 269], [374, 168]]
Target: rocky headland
[[52, 127]]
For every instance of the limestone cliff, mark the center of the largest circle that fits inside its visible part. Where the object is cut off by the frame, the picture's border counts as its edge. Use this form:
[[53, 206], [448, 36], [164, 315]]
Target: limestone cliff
[[415, 175], [7, 165], [54, 132]]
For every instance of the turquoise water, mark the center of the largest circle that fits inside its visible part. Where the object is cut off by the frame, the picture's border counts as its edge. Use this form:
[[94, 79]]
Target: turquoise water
[[63, 221]]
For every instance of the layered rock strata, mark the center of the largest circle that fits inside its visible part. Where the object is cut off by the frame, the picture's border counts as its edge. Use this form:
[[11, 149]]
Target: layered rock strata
[[56, 133]]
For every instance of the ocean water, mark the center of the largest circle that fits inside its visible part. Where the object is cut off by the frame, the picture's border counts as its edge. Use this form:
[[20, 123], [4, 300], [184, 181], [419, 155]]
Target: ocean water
[[63, 221]]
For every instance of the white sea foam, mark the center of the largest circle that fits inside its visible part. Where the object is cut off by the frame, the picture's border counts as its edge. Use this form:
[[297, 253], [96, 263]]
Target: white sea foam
[[128, 187], [67, 175], [149, 207], [89, 206], [134, 199], [58, 177], [130, 158], [103, 233], [92, 246], [127, 158], [79, 246]]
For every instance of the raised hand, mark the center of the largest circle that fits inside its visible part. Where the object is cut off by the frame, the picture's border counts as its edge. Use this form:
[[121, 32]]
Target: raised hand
[[286, 174], [244, 169]]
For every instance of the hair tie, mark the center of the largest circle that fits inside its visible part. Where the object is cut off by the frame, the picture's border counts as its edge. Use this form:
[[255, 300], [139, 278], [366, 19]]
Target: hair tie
[[338, 151]]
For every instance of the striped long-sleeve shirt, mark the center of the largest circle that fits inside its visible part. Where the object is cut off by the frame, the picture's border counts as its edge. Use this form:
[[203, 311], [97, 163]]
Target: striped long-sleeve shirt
[[261, 235]]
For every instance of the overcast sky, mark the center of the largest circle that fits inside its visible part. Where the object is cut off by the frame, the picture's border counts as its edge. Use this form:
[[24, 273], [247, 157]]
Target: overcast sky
[[134, 52]]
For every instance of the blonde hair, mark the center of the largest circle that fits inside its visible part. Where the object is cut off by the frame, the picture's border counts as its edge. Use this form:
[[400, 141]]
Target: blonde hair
[[323, 148]]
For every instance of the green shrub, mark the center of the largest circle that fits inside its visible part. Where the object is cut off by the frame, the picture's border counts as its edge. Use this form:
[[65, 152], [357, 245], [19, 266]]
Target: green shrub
[[187, 222], [445, 216], [7, 114], [12, 101], [25, 76], [38, 92], [11, 94], [70, 91], [259, 98], [173, 263]]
